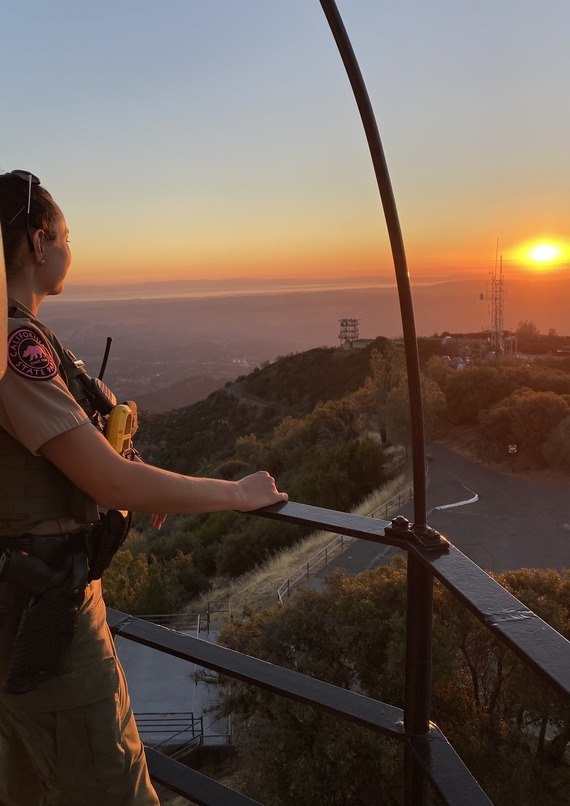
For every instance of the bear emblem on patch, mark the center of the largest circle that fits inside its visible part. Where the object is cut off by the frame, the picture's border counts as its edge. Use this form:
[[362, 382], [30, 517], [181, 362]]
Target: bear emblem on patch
[[29, 355]]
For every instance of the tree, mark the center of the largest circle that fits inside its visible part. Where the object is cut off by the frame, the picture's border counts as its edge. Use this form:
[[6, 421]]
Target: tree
[[181, 573], [398, 409], [557, 446], [353, 635], [476, 388], [232, 469], [124, 580], [299, 755], [137, 585], [248, 448], [439, 371], [387, 371], [526, 419], [340, 475], [527, 330], [159, 594], [294, 440]]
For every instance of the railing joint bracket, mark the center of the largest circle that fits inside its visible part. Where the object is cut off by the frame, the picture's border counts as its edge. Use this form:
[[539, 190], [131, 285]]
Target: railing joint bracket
[[420, 533]]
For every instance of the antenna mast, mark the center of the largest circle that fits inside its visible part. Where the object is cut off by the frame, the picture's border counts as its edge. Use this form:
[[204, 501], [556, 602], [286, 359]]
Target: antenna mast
[[496, 295]]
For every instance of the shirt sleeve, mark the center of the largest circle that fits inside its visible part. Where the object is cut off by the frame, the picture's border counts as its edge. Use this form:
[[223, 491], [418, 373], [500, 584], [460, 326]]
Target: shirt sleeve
[[36, 408]]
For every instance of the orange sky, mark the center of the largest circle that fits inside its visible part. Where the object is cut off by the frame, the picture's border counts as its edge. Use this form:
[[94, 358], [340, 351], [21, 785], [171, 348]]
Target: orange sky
[[306, 256], [212, 140]]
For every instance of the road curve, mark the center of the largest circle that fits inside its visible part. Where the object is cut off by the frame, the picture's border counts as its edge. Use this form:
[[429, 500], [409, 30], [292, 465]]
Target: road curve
[[515, 523], [504, 522]]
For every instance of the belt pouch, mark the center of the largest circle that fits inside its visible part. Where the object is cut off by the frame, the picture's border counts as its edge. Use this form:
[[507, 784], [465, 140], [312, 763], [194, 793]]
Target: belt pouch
[[105, 540]]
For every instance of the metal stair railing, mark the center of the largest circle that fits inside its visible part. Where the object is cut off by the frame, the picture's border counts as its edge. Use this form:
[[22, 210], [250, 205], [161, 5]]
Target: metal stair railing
[[173, 725], [323, 557]]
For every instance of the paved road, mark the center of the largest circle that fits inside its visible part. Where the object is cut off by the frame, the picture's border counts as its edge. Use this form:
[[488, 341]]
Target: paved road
[[513, 523]]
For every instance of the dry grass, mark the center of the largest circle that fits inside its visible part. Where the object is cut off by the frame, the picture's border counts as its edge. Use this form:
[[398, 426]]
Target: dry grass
[[258, 588]]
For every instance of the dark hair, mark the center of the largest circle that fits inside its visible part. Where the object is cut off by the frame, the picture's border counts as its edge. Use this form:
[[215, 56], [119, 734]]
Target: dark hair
[[13, 215]]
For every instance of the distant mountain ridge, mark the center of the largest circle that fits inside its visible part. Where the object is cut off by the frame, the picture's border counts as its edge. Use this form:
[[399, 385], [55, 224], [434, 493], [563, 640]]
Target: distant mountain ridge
[[164, 289], [179, 394]]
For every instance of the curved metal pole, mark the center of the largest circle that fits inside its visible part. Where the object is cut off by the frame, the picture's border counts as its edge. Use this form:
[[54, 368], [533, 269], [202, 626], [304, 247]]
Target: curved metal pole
[[3, 312], [398, 255]]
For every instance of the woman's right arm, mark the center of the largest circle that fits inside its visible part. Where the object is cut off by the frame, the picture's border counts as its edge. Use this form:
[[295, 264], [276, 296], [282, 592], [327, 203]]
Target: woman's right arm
[[87, 459]]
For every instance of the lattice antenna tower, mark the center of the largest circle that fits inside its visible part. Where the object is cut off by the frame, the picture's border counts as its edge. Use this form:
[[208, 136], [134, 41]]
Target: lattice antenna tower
[[348, 330], [496, 295]]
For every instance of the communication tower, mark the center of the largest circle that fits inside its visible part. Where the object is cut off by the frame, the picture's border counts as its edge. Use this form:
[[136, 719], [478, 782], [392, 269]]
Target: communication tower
[[495, 294], [348, 331]]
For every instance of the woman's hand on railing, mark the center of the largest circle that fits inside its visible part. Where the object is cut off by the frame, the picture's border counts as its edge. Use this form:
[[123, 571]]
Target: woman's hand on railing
[[258, 490]]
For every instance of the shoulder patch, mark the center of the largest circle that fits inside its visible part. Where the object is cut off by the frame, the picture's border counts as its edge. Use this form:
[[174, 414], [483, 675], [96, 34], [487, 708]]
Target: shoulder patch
[[29, 355]]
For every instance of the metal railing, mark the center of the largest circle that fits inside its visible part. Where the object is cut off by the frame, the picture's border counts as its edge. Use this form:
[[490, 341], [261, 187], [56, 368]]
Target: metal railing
[[324, 556], [189, 622], [177, 733], [428, 756], [314, 564], [384, 511]]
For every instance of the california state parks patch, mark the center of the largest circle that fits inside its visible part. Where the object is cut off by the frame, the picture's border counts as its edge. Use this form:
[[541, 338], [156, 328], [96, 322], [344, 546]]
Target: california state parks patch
[[29, 355]]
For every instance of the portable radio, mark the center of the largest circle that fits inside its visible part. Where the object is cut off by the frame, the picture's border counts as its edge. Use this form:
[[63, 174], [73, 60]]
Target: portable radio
[[120, 427]]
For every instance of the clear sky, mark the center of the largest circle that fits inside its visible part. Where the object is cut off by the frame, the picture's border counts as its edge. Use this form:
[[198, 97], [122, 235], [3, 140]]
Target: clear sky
[[220, 138]]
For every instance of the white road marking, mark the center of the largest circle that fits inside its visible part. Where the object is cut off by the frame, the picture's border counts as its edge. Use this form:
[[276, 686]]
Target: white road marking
[[472, 500]]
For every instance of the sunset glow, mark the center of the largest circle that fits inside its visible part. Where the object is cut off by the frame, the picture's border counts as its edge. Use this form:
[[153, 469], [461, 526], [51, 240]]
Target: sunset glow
[[542, 255], [544, 252], [241, 154]]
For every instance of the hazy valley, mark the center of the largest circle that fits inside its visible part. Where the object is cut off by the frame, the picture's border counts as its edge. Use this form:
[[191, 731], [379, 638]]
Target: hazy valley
[[168, 352]]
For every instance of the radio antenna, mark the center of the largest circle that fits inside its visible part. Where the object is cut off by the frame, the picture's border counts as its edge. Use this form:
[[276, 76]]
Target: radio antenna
[[105, 358]]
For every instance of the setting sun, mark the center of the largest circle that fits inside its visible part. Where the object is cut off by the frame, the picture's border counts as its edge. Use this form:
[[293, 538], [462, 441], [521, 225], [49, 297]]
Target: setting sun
[[544, 252], [543, 255]]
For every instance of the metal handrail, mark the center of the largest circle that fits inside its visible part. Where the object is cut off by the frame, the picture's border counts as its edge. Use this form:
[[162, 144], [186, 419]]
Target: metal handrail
[[537, 644]]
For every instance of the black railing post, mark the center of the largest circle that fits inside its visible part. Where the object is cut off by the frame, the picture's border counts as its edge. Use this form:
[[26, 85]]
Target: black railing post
[[418, 672]]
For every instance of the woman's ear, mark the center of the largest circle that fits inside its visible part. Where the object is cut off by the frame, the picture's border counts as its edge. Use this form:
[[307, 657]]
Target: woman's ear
[[38, 241]]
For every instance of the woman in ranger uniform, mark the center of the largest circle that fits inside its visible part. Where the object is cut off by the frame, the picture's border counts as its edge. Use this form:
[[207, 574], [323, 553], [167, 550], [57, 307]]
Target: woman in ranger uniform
[[67, 733]]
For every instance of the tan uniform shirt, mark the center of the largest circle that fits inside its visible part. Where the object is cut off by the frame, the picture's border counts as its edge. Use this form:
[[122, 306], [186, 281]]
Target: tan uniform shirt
[[35, 406]]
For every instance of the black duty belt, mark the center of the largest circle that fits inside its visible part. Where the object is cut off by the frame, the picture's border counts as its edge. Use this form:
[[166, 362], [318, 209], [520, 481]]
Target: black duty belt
[[47, 547]]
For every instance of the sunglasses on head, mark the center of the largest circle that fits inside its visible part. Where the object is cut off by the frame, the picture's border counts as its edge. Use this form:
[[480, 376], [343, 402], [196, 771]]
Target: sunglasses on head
[[31, 179]]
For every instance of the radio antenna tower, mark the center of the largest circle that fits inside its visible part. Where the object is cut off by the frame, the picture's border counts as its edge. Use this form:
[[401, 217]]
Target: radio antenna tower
[[496, 295]]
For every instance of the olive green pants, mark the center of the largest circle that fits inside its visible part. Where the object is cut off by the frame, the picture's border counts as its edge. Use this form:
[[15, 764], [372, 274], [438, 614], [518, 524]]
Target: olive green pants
[[86, 756]]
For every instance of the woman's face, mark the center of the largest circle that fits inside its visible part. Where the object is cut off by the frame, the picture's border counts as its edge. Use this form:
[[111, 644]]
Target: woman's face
[[57, 258]]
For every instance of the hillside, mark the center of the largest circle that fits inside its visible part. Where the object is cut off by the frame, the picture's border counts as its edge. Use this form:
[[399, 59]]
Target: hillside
[[199, 437], [325, 424], [301, 419], [179, 394]]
